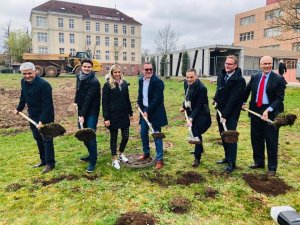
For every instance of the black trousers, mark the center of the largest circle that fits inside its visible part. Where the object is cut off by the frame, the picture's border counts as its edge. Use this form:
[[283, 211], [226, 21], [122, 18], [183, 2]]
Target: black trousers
[[114, 139]]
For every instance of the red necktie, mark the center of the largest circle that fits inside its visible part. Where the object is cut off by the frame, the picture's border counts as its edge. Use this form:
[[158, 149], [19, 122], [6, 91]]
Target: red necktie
[[261, 91]]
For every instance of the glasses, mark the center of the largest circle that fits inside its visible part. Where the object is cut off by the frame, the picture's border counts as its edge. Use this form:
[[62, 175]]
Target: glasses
[[266, 64], [229, 64], [148, 69]]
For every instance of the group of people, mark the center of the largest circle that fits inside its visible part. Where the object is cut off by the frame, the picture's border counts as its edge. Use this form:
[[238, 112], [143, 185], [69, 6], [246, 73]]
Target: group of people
[[267, 95]]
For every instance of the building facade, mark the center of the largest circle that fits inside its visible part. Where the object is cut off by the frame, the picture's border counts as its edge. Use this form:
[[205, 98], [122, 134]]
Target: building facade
[[107, 34]]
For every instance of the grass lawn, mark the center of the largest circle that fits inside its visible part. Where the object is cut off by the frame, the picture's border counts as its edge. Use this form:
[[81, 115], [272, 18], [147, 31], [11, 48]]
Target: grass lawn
[[26, 197]]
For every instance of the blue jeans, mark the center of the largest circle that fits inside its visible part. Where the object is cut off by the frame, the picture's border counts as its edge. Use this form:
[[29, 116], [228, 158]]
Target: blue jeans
[[145, 141], [91, 145], [45, 146]]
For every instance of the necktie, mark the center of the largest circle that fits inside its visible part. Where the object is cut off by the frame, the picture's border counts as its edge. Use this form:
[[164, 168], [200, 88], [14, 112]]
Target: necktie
[[226, 78], [261, 91]]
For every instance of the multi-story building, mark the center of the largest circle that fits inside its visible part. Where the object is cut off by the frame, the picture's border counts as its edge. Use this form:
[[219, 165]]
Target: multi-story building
[[106, 33]]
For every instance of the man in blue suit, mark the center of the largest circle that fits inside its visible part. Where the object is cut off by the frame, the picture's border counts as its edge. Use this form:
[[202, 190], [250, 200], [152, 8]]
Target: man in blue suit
[[151, 102], [267, 94]]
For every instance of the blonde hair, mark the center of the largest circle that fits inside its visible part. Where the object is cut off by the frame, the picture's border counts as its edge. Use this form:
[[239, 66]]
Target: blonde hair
[[112, 81], [235, 59]]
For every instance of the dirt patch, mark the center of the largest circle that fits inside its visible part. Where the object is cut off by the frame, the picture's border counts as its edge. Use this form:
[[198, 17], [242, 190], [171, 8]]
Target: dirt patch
[[210, 192], [269, 186], [90, 177], [13, 187], [217, 141], [179, 205], [136, 218], [10, 132], [190, 177], [163, 180], [63, 177]]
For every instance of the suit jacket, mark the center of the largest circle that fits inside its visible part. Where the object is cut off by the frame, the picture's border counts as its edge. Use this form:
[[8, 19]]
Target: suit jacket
[[156, 110], [275, 91]]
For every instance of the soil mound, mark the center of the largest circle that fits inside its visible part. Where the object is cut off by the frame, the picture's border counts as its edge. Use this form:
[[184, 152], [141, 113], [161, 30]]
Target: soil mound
[[179, 205], [190, 177], [136, 218]]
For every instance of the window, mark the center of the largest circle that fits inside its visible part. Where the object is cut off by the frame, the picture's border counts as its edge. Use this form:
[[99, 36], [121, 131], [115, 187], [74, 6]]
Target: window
[[97, 26], [124, 29], [124, 56], [132, 43], [72, 38], [88, 39], [72, 51], [132, 56], [106, 55], [124, 42], [60, 22], [97, 40], [106, 27], [247, 20], [41, 21], [272, 32], [61, 38], [247, 36], [98, 54], [107, 68], [116, 42], [270, 46], [61, 51], [106, 41], [43, 50], [296, 47], [115, 28], [133, 30], [42, 37], [71, 23], [88, 25], [273, 14], [297, 9]]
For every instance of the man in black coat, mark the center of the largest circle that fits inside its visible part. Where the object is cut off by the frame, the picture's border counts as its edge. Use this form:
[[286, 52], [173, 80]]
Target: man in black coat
[[281, 68], [267, 94], [36, 93], [151, 102], [196, 106], [228, 100]]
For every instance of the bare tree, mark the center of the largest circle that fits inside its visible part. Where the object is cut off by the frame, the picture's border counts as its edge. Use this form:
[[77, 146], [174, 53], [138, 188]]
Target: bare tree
[[166, 40], [145, 55]]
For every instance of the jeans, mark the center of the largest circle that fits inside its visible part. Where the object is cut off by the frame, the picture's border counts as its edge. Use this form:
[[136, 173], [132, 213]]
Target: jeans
[[145, 141], [45, 146], [198, 148], [91, 145]]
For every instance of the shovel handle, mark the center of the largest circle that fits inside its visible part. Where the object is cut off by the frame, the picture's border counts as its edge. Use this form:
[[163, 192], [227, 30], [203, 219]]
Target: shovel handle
[[147, 121], [220, 115], [258, 115], [187, 120], [27, 118]]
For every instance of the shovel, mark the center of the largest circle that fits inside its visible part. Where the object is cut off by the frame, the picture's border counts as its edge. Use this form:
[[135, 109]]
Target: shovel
[[85, 134], [229, 136], [192, 139], [155, 135], [49, 130], [280, 120]]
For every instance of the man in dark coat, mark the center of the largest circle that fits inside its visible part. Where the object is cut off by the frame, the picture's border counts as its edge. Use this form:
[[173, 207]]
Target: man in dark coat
[[281, 68], [228, 100], [196, 106], [267, 94], [87, 99], [151, 102], [36, 93]]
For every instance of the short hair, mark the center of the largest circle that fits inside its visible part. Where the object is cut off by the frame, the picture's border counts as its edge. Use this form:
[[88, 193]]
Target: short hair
[[86, 60], [192, 70], [27, 66], [235, 59], [147, 63]]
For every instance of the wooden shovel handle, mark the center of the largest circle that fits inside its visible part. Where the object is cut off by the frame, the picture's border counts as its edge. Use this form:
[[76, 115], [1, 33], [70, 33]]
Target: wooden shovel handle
[[258, 115], [147, 121], [27, 118], [220, 115]]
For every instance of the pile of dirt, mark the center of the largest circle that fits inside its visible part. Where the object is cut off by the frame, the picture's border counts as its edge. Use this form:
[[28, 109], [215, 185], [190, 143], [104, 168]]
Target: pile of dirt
[[179, 205], [69, 177], [190, 177], [163, 180], [210, 192], [136, 218], [269, 186], [13, 187], [230, 136]]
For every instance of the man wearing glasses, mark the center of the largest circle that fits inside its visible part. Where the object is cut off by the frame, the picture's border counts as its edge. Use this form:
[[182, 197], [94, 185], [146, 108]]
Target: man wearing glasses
[[267, 97], [36, 93], [228, 100], [151, 102]]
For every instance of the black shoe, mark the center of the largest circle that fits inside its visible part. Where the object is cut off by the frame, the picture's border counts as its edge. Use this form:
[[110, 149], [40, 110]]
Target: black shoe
[[222, 161], [256, 166], [230, 167], [85, 159], [196, 163], [39, 165], [271, 173], [47, 169]]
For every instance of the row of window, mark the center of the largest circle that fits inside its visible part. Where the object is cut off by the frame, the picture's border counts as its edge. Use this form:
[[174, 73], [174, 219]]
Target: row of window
[[268, 33], [43, 37], [41, 21]]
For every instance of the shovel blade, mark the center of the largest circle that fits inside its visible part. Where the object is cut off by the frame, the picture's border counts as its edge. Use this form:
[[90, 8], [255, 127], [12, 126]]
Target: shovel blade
[[194, 141], [158, 135]]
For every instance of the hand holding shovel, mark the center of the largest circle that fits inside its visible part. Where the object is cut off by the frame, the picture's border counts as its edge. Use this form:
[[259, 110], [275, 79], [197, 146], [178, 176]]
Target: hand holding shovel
[[155, 135], [191, 139], [229, 136]]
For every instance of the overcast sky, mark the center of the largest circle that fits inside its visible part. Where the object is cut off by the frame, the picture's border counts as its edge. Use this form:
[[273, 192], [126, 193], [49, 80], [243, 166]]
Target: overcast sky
[[198, 22]]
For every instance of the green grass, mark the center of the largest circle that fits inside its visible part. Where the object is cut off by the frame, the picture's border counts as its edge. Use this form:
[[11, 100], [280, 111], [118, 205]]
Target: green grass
[[101, 201]]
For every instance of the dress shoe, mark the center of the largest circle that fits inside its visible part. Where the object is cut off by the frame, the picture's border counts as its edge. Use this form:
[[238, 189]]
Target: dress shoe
[[144, 157], [256, 166], [85, 159], [230, 167], [47, 169], [159, 165], [271, 173], [196, 163], [222, 161], [39, 165], [91, 168]]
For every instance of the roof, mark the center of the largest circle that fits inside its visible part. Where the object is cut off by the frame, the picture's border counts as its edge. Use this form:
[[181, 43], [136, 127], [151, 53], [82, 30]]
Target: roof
[[259, 52], [86, 11]]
